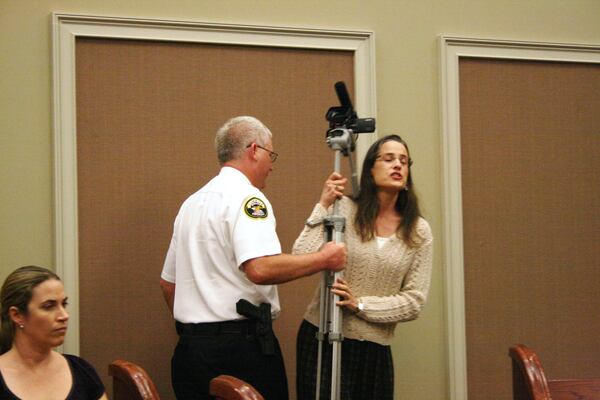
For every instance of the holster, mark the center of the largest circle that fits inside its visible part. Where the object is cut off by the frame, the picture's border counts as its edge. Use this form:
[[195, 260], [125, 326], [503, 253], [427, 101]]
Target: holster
[[262, 317]]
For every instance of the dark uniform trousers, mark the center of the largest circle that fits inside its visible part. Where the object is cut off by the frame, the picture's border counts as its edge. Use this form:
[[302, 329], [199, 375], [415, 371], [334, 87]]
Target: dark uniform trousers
[[207, 350]]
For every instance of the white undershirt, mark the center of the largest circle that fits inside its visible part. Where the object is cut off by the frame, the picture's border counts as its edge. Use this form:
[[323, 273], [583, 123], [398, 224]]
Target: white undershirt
[[381, 241]]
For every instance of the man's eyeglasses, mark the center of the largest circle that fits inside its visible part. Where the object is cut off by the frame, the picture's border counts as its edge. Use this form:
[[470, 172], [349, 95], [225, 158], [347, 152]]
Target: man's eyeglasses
[[272, 155], [391, 158]]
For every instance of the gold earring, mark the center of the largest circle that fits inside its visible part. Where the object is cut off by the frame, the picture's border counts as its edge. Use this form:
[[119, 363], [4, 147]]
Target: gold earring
[[21, 326]]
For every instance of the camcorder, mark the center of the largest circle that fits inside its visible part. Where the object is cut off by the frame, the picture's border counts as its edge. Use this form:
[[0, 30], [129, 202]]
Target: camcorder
[[343, 120]]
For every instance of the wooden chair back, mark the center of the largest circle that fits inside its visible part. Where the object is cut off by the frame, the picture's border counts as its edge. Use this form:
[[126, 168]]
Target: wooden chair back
[[131, 382], [226, 387], [530, 382]]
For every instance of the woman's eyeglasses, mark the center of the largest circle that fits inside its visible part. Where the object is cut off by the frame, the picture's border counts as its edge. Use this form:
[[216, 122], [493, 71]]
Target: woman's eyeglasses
[[390, 158]]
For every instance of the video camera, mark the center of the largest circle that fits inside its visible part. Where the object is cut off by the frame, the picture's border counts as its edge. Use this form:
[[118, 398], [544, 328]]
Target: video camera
[[343, 119]]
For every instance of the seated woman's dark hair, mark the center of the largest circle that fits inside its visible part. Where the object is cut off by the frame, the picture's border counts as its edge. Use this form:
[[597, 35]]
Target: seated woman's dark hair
[[407, 204], [17, 291]]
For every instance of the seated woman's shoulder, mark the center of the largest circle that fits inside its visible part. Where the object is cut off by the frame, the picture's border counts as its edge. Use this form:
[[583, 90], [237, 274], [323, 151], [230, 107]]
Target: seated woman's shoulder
[[80, 362]]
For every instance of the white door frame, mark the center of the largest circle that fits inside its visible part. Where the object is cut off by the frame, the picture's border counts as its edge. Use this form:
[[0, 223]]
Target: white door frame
[[68, 27], [452, 49]]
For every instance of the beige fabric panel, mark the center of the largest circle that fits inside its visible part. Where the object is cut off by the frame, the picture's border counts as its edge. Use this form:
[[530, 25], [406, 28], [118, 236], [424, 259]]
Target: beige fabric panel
[[147, 113], [530, 138]]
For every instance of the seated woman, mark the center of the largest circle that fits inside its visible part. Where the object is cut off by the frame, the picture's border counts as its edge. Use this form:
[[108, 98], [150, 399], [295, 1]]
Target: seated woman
[[386, 280], [33, 322]]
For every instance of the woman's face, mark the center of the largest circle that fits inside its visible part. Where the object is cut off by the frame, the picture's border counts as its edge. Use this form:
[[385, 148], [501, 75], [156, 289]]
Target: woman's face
[[46, 321], [390, 171]]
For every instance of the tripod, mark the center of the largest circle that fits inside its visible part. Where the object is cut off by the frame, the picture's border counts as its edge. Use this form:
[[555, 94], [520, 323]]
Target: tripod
[[343, 123], [330, 316]]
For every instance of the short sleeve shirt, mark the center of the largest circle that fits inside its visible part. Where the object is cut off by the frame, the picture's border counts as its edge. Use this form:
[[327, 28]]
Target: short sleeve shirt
[[217, 229]]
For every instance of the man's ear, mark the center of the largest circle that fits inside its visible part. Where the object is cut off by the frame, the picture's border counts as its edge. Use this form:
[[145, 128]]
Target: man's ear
[[252, 152]]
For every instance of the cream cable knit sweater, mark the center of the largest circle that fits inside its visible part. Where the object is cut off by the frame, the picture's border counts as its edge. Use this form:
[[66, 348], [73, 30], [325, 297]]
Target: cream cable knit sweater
[[392, 282]]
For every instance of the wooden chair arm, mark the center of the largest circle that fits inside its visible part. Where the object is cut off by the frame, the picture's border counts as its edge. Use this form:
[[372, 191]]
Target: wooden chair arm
[[226, 387], [131, 382], [530, 383], [529, 379]]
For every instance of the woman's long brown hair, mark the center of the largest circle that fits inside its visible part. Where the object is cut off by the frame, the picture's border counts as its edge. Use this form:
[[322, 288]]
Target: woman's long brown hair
[[367, 202]]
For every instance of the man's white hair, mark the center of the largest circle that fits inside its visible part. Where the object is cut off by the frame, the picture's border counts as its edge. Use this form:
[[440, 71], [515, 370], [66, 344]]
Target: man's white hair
[[235, 136]]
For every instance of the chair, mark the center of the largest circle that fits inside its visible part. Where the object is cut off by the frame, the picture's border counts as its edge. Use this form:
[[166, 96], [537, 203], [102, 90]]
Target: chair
[[530, 383], [131, 382], [226, 387]]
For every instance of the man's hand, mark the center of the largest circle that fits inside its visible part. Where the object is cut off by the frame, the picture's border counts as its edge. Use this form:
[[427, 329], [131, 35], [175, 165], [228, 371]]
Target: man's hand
[[334, 256]]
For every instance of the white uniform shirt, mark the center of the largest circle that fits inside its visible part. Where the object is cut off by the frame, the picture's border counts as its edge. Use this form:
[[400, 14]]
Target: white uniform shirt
[[225, 223]]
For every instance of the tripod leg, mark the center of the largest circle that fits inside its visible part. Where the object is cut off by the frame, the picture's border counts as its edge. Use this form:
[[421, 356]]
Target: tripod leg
[[336, 370], [335, 338], [323, 320]]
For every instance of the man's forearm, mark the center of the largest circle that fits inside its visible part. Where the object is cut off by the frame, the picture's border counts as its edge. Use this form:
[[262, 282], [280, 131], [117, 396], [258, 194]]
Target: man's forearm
[[281, 268]]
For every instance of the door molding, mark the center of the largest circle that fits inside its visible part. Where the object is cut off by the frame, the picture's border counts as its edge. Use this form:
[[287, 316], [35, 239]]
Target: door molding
[[452, 49], [68, 27]]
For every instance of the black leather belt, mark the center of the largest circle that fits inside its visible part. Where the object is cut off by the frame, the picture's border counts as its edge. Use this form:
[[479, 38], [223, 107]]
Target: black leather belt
[[242, 326]]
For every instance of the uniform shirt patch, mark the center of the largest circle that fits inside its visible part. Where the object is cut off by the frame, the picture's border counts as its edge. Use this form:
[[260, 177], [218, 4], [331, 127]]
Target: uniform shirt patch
[[255, 208]]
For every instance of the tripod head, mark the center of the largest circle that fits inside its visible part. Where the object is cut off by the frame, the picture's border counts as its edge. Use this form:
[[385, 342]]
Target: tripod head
[[341, 139], [344, 126]]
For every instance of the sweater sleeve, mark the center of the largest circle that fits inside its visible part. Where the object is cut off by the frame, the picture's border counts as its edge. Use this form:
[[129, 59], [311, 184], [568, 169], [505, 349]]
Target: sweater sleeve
[[311, 237], [409, 301]]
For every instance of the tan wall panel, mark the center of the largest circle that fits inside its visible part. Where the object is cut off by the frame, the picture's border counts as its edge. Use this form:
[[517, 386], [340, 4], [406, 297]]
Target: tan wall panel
[[147, 113], [530, 137]]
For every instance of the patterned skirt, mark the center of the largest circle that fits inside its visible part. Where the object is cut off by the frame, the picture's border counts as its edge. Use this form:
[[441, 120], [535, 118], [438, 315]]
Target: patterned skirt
[[367, 368]]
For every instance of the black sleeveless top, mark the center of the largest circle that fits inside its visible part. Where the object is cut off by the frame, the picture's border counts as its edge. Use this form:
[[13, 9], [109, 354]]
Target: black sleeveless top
[[86, 382]]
